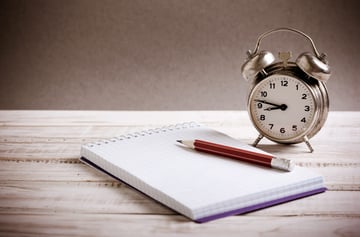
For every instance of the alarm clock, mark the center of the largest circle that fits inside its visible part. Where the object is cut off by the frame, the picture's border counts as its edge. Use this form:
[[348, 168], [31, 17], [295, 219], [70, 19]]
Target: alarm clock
[[288, 100]]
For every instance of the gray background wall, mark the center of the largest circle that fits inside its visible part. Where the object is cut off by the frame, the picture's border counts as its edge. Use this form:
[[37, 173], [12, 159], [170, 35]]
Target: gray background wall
[[161, 55]]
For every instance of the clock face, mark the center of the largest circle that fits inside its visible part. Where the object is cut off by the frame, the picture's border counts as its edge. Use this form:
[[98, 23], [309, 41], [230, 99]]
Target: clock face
[[282, 108]]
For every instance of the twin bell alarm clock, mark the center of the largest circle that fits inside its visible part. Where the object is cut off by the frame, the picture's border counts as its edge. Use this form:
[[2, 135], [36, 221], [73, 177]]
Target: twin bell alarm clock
[[288, 101]]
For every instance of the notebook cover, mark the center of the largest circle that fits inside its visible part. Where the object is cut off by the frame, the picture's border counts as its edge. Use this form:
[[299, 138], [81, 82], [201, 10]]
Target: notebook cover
[[224, 214]]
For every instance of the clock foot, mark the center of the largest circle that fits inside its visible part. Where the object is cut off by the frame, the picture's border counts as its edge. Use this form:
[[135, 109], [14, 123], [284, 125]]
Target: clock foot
[[258, 139], [306, 140]]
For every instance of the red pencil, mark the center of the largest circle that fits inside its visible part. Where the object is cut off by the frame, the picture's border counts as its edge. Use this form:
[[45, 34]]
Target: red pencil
[[240, 154]]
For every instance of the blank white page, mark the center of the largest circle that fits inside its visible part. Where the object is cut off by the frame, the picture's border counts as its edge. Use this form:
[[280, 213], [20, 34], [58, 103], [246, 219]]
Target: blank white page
[[204, 183]]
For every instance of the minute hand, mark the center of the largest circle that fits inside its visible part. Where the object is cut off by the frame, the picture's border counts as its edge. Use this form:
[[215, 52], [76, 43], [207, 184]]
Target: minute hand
[[266, 102]]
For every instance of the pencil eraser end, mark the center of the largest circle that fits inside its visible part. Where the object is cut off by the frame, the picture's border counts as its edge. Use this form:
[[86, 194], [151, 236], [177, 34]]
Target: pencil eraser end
[[283, 164]]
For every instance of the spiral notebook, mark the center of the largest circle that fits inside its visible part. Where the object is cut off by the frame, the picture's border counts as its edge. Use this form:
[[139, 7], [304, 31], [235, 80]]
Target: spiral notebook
[[200, 186]]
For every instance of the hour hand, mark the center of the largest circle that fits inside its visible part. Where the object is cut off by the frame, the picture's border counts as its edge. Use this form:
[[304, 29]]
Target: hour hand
[[272, 108], [282, 107]]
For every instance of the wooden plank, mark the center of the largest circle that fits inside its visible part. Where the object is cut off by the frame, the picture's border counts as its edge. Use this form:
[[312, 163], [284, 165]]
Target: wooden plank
[[67, 134], [135, 118], [111, 118], [75, 197], [114, 197], [328, 155], [82, 134], [50, 170], [33, 151], [74, 224], [345, 177]]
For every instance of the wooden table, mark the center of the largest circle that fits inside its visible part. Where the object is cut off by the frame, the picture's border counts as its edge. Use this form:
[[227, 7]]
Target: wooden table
[[45, 190]]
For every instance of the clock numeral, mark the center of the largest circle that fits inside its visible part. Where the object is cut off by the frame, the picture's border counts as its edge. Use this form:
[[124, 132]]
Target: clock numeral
[[271, 125], [304, 96], [259, 105], [284, 83], [303, 120], [263, 93], [272, 85], [282, 130], [262, 117], [294, 128], [307, 108], [297, 87]]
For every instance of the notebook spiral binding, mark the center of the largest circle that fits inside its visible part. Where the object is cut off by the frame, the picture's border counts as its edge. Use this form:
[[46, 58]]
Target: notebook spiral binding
[[144, 133]]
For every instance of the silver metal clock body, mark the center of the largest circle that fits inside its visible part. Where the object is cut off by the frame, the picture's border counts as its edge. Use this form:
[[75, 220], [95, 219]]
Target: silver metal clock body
[[288, 102], [286, 105]]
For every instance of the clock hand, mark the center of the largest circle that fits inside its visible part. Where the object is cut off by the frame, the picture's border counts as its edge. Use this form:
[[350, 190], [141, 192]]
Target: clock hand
[[282, 107], [266, 102], [272, 108]]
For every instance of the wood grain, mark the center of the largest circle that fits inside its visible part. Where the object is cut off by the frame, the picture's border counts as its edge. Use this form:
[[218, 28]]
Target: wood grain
[[347, 177], [73, 224], [46, 191], [89, 197]]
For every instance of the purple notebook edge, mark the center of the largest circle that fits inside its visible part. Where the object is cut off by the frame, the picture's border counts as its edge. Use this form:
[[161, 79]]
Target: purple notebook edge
[[261, 205], [224, 214]]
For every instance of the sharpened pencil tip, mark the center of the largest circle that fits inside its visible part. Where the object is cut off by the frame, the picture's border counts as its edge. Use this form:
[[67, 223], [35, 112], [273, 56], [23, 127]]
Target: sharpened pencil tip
[[180, 141]]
